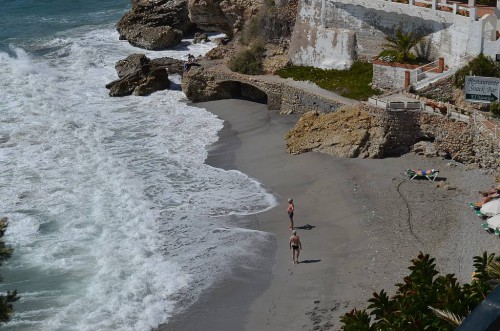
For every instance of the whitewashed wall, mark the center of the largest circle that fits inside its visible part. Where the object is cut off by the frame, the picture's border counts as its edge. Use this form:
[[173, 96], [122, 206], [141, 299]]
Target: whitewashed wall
[[332, 33], [315, 45]]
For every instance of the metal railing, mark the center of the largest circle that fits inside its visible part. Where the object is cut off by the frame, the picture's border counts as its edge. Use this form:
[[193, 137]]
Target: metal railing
[[485, 125]]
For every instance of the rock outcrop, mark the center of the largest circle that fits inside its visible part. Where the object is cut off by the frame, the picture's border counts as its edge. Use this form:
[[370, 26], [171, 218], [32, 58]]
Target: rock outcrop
[[142, 76], [349, 132], [227, 16], [155, 24]]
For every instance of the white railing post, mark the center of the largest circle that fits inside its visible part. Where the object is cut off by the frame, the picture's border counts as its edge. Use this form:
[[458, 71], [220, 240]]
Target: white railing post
[[455, 8], [434, 4], [473, 15], [412, 2], [472, 10]]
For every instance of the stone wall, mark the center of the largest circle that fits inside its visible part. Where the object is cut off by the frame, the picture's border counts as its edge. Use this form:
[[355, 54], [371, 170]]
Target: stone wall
[[208, 84], [388, 76], [297, 101], [402, 129], [453, 139]]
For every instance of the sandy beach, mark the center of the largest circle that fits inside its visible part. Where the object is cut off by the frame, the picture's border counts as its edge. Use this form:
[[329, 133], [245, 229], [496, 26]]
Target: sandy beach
[[360, 222]]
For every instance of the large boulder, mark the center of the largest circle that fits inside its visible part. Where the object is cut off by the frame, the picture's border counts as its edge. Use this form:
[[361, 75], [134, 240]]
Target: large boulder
[[153, 38], [227, 16], [155, 24], [348, 132], [139, 75]]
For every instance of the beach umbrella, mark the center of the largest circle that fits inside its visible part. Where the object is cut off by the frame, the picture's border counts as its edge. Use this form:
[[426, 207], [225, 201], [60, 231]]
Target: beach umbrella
[[494, 221], [491, 208]]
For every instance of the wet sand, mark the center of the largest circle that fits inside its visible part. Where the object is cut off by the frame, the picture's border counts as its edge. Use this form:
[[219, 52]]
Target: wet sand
[[360, 223]]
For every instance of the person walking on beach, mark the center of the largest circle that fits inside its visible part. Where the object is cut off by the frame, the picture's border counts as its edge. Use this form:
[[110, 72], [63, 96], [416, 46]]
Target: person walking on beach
[[295, 246], [290, 210]]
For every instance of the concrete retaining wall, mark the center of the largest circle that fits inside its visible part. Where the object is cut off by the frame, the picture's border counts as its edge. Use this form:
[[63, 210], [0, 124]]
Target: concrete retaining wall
[[388, 77]]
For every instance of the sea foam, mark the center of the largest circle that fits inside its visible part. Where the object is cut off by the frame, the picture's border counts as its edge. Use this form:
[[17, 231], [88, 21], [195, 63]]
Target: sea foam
[[116, 221]]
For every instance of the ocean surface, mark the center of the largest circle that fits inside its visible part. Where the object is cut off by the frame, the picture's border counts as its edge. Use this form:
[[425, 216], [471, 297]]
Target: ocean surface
[[116, 222]]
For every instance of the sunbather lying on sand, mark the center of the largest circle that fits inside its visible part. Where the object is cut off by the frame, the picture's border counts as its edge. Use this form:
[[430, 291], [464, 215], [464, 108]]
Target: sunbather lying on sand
[[493, 192], [424, 172]]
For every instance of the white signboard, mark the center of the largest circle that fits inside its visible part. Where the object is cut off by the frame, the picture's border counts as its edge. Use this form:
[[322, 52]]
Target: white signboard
[[482, 89]]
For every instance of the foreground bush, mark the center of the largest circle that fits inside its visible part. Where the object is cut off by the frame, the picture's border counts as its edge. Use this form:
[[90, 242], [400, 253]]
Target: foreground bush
[[6, 300], [248, 61], [480, 66], [426, 300], [353, 83], [495, 109]]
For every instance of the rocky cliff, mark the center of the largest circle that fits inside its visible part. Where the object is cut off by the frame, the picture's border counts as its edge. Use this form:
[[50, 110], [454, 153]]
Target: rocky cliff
[[228, 16], [139, 75], [161, 24], [155, 24]]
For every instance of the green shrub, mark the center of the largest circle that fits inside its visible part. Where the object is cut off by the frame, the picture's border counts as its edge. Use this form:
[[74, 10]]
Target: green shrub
[[425, 300], [249, 60], [403, 42], [352, 83], [6, 299], [495, 109], [480, 66]]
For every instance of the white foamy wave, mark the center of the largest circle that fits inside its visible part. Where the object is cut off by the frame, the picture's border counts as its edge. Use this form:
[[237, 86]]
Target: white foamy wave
[[110, 204], [24, 231]]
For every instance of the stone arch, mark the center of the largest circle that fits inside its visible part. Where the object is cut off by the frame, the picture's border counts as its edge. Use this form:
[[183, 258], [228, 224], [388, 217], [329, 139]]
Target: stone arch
[[239, 90]]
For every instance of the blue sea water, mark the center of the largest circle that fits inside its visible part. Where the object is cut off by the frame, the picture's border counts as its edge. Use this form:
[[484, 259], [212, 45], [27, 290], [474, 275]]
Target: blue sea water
[[116, 222]]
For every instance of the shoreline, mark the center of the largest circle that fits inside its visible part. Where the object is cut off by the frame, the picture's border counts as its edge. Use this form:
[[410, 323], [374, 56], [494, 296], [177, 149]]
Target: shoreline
[[368, 222]]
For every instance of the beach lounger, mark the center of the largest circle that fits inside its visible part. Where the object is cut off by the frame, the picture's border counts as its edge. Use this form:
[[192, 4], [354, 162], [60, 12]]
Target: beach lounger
[[487, 228], [430, 176], [473, 205], [480, 215]]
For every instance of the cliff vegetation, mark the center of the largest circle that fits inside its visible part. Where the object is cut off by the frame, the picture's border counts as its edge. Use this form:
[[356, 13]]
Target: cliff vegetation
[[353, 83]]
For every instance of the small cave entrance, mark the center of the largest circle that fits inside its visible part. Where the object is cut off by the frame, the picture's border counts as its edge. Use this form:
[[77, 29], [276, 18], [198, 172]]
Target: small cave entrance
[[238, 90]]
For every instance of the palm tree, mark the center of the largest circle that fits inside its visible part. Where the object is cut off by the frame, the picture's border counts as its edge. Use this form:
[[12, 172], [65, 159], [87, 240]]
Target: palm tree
[[402, 43]]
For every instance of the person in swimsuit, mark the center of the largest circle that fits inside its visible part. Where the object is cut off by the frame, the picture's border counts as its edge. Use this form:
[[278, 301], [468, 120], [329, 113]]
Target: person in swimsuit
[[295, 246], [290, 210], [424, 172], [493, 192]]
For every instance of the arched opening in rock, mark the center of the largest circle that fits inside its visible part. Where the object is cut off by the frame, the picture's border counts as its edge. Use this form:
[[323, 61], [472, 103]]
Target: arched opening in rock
[[238, 90]]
